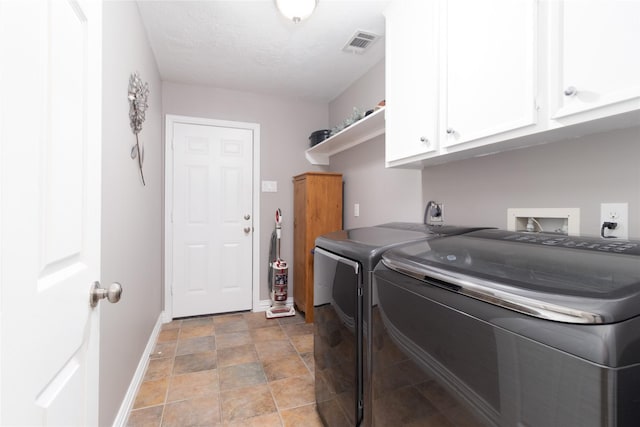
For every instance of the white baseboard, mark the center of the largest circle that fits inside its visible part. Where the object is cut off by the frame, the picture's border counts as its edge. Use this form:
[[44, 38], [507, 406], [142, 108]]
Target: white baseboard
[[138, 376], [264, 304]]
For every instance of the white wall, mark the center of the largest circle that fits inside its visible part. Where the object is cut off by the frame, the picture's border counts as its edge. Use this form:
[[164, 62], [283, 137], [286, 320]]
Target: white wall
[[579, 173], [285, 126], [383, 194], [131, 213]]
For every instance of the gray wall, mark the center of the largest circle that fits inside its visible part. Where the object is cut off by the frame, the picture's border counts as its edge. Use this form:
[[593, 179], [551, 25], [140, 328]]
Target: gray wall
[[131, 213], [579, 173], [364, 94], [285, 125], [383, 194]]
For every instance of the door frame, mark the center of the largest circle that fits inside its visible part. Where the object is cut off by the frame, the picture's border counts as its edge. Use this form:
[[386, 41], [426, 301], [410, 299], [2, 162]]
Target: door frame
[[170, 121]]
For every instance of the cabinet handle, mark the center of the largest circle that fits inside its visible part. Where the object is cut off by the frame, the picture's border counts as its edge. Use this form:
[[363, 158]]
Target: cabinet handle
[[570, 91], [450, 131]]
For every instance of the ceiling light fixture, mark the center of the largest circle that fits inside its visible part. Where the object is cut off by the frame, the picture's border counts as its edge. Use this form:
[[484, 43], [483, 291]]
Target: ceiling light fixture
[[296, 10]]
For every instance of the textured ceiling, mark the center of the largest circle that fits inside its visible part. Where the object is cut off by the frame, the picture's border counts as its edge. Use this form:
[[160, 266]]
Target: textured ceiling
[[249, 46]]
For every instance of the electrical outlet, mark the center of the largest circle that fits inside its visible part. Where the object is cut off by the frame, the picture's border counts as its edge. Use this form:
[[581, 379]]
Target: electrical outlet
[[618, 213]]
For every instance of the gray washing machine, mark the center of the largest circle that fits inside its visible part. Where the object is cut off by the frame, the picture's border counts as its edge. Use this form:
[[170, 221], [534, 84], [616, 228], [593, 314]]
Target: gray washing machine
[[501, 328], [343, 267]]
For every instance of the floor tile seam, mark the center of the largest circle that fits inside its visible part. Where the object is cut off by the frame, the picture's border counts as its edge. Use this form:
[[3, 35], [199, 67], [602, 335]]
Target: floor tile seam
[[173, 363], [244, 385], [257, 360], [197, 352], [281, 419], [166, 392], [275, 402], [164, 408], [300, 359], [248, 418], [300, 406], [145, 407], [189, 337], [274, 398], [220, 403], [192, 337], [269, 327], [217, 388], [219, 391], [303, 362], [264, 374], [311, 371]]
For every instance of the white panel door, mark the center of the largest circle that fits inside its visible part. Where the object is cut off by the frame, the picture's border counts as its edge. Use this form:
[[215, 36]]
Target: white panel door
[[212, 219], [50, 88]]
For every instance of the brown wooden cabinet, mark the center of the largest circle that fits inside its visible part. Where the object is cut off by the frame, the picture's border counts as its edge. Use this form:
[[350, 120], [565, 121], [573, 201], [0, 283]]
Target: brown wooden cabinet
[[317, 210]]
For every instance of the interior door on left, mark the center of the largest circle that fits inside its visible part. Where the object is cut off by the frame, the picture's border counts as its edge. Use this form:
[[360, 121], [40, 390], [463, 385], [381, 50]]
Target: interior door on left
[[50, 88]]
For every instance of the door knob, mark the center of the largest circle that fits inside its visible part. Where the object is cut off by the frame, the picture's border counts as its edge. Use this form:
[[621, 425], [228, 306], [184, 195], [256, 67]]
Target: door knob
[[112, 294], [247, 217], [247, 229]]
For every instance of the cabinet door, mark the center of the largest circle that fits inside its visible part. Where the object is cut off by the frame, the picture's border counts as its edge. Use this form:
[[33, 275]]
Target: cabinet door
[[411, 79], [595, 65], [489, 68]]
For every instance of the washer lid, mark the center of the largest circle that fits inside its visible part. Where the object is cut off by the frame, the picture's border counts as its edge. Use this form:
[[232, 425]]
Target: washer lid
[[555, 277], [367, 244]]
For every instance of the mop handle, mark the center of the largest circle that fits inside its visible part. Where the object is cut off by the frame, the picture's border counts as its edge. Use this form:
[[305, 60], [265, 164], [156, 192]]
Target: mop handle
[[278, 222], [278, 232]]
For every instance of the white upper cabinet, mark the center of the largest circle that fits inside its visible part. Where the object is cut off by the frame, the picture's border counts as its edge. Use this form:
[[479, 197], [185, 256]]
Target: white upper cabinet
[[594, 59], [492, 75], [411, 80], [488, 68]]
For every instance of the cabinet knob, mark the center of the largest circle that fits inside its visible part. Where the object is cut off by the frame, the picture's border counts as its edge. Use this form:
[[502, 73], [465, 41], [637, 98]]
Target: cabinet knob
[[424, 139], [570, 91], [450, 131]]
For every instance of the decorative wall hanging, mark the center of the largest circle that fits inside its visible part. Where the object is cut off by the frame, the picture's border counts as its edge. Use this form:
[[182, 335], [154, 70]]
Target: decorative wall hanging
[[138, 93]]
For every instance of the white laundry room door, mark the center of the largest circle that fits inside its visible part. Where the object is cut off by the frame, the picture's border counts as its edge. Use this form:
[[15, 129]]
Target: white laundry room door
[[212, 215], [50, 155]]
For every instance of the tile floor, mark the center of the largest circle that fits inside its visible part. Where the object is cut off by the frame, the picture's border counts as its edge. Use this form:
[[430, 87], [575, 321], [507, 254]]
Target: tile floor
[[236, 369]]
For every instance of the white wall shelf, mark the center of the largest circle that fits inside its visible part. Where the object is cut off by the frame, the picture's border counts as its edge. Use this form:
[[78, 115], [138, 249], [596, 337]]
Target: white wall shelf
[[361, 131]]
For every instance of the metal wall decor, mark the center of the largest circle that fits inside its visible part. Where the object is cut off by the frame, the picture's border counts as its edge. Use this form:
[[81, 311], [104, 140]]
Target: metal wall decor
[[138, 93]]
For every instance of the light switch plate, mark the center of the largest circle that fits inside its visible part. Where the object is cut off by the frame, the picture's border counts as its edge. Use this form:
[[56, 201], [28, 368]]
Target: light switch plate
[[269, 186]]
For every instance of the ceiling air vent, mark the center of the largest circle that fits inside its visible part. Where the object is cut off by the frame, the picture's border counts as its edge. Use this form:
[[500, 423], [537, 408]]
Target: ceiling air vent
[[360, 42]]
